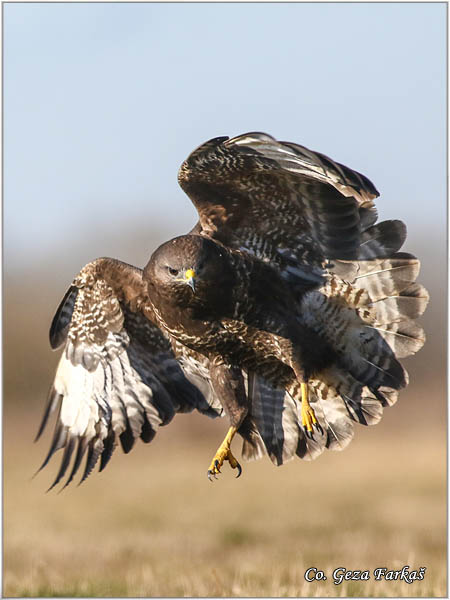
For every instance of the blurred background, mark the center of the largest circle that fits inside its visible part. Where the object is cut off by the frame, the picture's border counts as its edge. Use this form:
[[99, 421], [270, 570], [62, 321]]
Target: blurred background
[[102, 103]]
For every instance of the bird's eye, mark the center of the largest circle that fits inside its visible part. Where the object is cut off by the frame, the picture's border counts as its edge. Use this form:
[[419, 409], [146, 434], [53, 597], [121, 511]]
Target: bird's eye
[[173, 271]]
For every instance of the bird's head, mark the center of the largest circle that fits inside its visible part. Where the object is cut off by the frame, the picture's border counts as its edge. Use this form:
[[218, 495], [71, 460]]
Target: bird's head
[[191, 270]]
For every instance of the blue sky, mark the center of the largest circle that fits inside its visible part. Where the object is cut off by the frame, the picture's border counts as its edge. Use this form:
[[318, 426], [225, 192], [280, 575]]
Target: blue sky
[[102, 103]]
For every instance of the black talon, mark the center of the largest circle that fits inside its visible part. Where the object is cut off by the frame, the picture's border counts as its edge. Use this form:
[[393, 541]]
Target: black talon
[[309, 434], [319, 427], [239, 468], [216, 464], [209, 473]]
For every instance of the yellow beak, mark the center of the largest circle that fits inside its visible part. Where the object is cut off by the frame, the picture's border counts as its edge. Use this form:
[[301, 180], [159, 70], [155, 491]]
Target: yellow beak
[[189, 277]]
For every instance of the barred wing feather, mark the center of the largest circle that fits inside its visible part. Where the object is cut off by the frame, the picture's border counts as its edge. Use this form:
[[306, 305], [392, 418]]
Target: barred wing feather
[[118, 378], [255, 193]]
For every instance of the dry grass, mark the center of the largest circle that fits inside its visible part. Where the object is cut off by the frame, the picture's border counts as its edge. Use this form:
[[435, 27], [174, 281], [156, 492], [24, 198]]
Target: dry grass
[[152, 525]]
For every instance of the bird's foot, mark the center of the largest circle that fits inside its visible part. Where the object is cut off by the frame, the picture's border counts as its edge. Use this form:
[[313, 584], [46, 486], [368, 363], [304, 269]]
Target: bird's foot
[[220, 457], [309, 420], [308, 417], [224, 453]]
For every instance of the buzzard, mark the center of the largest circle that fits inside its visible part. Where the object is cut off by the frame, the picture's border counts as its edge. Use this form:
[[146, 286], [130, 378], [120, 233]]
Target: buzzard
[[286, 307]]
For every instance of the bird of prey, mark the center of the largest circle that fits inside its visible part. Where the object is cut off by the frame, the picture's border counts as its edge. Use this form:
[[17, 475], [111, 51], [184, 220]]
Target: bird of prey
[[286, 308]]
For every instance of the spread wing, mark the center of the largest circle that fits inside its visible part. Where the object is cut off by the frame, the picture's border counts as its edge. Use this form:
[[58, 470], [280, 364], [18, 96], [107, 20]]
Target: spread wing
[[315, 220], [118, 378], [270, 198]]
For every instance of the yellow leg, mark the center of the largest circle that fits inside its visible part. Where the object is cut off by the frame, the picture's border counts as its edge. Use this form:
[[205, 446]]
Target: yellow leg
[[308, 416], [224, 453]]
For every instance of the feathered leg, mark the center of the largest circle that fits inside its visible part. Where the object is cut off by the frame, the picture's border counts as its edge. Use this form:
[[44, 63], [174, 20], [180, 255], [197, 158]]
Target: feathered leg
[[229, 386]]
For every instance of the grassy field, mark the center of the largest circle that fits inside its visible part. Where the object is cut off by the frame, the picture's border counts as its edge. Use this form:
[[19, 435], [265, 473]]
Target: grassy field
[[152, 525]]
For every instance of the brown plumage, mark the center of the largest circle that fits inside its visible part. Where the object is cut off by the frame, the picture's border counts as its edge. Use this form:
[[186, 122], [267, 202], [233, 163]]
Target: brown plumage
[[286, 279]]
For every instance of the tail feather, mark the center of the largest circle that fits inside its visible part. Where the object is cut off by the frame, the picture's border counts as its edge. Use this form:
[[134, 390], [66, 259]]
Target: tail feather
[[253, 448], [277, 418]]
